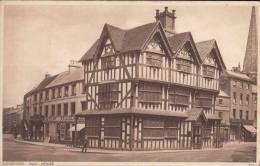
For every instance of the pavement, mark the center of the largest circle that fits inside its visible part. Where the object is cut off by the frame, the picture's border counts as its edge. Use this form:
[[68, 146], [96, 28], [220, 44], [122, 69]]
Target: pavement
[[17, 150], [93, 150]]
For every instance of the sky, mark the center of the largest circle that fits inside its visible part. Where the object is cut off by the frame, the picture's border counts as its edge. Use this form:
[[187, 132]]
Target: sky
[[40, 39]]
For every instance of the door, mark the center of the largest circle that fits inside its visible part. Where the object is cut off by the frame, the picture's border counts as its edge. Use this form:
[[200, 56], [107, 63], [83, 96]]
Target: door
[[197, 137]]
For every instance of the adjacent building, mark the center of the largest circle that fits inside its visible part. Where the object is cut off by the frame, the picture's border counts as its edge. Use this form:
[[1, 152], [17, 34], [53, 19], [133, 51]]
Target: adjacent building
[[151, 88], [12, 119], [241, 86], [51, 106], [223, 112]]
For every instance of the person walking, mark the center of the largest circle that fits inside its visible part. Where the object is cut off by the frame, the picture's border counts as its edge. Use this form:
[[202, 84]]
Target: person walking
[[85, 145]]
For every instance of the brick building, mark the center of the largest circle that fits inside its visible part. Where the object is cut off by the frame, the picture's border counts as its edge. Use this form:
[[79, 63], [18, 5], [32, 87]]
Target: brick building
[[151, 88], [12, 118], [240, 85], [223, 112], [50, 107]]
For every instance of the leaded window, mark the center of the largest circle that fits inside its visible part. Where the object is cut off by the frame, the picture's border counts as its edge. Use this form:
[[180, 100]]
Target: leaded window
[[150, 92], [108, 62], [183, 65], [208, 71], [204, 100], [108, 95], [178, 96], [153, 59]]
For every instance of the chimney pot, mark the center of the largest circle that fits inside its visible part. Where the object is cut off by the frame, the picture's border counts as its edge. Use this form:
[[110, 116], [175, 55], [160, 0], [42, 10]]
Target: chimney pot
[[166, 8], [157, 12]]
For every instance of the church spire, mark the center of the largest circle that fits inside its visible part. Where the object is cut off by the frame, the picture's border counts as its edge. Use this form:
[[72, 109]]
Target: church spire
[[250, 60]]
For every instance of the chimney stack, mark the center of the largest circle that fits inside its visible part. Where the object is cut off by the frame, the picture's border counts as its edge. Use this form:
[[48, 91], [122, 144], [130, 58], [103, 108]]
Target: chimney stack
[[167, 20], [73, 65], [47, 75]]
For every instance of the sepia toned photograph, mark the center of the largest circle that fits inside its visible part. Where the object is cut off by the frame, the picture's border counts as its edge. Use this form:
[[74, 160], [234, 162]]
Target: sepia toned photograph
[[129, 82]]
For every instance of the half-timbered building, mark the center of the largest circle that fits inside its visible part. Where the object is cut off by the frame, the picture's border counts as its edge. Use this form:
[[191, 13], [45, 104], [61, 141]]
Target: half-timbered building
[[151, 88]]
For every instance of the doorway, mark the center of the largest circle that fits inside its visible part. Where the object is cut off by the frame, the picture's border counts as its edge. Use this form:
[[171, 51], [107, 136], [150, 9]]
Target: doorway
[[197, 137]]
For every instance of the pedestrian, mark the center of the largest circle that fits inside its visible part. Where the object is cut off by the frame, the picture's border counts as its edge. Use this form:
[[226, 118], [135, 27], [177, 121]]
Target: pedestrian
[[85, 144]]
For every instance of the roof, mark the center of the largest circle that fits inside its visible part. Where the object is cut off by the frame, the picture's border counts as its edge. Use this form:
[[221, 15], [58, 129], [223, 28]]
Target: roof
[[136, 37], [194, 114], [177, 40], [42, 84], [238, 75], [67, 77], [123, 40], [117, 36], [204, 48], [59, 79], [223, 94]]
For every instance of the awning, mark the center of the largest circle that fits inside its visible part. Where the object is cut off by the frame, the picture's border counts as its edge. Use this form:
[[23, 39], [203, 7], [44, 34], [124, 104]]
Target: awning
[[250, 128], [79, 127]]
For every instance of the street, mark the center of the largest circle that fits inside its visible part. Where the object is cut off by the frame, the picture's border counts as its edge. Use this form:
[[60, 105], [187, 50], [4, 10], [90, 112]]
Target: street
[[17, 151]]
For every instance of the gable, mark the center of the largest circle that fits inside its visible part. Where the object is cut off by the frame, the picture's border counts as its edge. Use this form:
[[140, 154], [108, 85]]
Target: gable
[[157, 41], [210, 59], [108, 48], [181, 43], [155, 45], [210, 54], [185, 53]]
